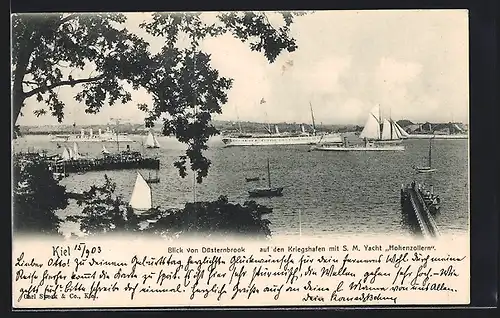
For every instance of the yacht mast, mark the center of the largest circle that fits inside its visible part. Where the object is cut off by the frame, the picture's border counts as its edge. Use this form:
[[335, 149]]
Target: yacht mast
[[312, 117], [268, 174]]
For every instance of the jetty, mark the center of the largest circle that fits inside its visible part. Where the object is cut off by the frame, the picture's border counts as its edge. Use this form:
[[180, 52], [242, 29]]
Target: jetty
[[419, 205], [121, 161]]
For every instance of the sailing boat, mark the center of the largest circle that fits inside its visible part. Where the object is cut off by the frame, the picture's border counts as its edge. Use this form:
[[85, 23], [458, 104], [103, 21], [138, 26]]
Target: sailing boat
[[104, 150], [141, 198], [76, 153], [429, 167], [151, 141], [269, 191], [66, 155], [153, 179], [378, 135]]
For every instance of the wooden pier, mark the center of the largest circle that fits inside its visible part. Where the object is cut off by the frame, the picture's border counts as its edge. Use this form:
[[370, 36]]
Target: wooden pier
[[121, 161], [419, 210]]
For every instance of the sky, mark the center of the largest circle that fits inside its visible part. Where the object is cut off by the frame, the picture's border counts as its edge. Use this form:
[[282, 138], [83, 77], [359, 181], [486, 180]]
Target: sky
[[413, 63]]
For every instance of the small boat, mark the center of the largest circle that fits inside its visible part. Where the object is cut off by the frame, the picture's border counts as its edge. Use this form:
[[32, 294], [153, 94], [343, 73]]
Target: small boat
[[151, 179], [269, 191], [151, 141], [104, 150], [252, 179], [429, 167], [141, 198]]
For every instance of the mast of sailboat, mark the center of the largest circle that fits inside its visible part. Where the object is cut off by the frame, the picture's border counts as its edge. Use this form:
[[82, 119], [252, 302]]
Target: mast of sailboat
[[430, 151], [312, 117], [390, 120], [380, 122], [268, 174], [238, 119]]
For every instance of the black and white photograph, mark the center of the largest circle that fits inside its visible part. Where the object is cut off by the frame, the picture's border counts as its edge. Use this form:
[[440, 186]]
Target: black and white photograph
[[254, 124], [240, 158]]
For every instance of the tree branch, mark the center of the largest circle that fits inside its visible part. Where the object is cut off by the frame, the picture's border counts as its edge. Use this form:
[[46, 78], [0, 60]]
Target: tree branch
[[30, 82], [43, 89]]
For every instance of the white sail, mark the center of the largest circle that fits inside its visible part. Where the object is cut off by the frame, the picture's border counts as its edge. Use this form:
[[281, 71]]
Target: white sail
[[389, 131], [372, 125], [66, 154], [395, 130], [141, 198], [104, 150], [402, 132], [458, 128], [76, 154], [155, 142], [71, 153], [150, 140]]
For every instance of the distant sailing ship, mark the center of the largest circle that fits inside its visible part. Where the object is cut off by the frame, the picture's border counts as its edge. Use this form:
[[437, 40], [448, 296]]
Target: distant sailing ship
[[429, 167], [378, 135], [151, 141], [269, 191], [142, 198], [106, 136], [71, 153], [277, 138]]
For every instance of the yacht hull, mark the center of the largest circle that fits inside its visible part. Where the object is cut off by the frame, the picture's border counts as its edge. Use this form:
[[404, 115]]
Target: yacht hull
[[354, 148], [275, 141]]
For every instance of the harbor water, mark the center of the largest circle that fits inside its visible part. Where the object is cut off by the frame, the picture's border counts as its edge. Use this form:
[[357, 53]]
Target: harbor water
[[326, 193]]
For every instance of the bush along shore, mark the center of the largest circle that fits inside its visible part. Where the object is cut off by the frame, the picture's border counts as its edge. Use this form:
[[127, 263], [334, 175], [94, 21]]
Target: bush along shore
[[37, 197]]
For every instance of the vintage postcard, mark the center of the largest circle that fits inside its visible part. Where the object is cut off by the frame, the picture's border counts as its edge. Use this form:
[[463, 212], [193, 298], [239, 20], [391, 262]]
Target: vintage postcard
[[248, 159]]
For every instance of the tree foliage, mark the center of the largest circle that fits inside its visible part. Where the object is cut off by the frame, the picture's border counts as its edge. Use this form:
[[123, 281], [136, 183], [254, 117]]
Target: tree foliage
[[218, 217], [37, 195], [44, 45], [184, 86]]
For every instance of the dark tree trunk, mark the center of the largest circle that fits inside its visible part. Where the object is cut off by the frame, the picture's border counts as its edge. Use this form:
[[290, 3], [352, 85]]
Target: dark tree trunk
[[17, 104]]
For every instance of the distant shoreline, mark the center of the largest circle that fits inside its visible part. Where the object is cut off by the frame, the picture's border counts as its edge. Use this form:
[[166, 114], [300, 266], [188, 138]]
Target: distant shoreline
[[222, 126]]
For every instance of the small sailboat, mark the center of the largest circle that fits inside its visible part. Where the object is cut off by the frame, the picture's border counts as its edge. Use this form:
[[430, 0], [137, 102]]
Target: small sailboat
[[269, 191], [151, 179], [104, 150], [76, 153], [151, 141], [250, 179], [141, 198], [429, 167], [66, 155]]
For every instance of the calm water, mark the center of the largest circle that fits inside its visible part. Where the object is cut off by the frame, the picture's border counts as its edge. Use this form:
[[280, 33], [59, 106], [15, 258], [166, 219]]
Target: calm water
[[327, 193]]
